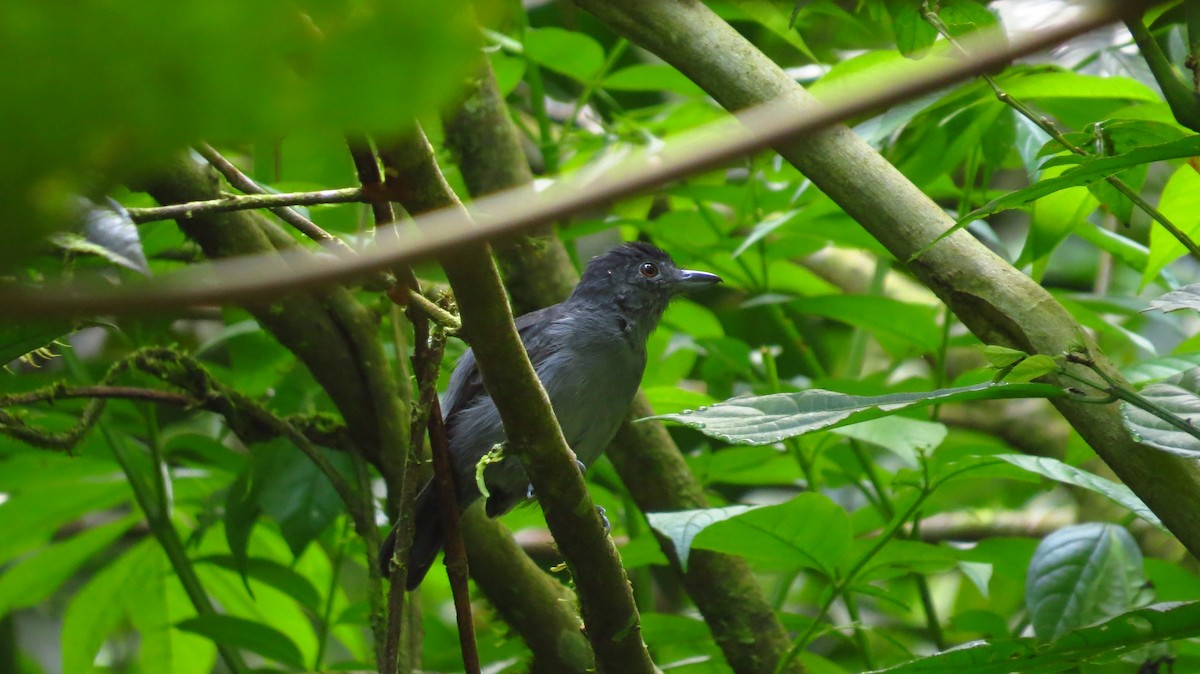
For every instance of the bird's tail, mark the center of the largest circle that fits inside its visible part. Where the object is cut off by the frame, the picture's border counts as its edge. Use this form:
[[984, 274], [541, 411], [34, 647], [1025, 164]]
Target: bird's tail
[[428, 539]]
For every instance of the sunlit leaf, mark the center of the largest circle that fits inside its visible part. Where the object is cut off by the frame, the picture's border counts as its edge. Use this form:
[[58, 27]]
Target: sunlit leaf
[[767, 419], [683, 526], [252, 636], [810, 531], [1068, 474]]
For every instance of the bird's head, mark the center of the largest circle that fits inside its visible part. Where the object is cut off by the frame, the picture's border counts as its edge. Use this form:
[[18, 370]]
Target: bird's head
[[639, 278]]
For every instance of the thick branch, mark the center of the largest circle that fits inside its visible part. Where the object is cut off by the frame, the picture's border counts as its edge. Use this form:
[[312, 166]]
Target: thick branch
[[997, 302]]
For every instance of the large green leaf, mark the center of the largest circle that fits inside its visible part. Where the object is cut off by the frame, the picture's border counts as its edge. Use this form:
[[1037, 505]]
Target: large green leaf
[[1068, 474], [252, 636], [901, 436], [278, 576], [38, 575], [913, 324], [652, 77], [760, 420], [1082, 575], [808, 531], [155, 601], [28, 519], [568, 52], [1177, 395], [19, 338], [95, 611], [1064, 84], [1122, 634], [1179, 203]]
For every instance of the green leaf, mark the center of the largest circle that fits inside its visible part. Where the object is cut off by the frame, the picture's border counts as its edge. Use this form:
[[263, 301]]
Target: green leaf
[[1055, 216], [20, 338], [1037, 365], [913, 32], [914, 324], [1187, 297], [1091, 170], [1178, 396], [241, 513], [252, 636], [1158, 369], [278, 576], [901, 557], [1121, 247], [652, 77], [745, 465], [760, 420], [30, 518], [1068, 474], [809, 531], [1002, 356], [295, 493], [1064, 84], [38, 575], [772, 17], [683, 526], [901, 436], [573, 54], [1179, 203], [94, 611], [155, 601], [1081, 575], [962, 17], [1122, 634]]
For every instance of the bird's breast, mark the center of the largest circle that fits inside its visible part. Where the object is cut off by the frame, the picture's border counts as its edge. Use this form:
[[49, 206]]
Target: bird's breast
[[591, 389]]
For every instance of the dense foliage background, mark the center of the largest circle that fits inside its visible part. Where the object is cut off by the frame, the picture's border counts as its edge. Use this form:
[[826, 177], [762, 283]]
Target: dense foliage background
[[165, 494]]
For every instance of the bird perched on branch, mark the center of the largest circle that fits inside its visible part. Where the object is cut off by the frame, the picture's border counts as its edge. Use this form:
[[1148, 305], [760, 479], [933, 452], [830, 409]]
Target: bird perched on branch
[[589, 353]]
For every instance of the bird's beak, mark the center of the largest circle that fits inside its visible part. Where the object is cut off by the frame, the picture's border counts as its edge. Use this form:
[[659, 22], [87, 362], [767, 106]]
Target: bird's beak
[[687, 280]]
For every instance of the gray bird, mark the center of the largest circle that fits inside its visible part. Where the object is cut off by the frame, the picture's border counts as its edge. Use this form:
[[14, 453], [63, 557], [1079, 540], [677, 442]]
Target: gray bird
[[589, 353]]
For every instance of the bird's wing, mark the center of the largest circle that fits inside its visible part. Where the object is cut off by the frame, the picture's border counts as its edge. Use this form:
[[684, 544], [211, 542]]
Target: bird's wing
[[466, 385]]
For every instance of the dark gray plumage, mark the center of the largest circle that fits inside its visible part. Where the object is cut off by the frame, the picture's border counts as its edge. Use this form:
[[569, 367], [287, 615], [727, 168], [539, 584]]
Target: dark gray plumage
[[589, 352]]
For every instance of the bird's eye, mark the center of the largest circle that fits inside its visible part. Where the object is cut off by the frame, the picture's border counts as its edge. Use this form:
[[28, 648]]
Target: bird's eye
[[648, 269]]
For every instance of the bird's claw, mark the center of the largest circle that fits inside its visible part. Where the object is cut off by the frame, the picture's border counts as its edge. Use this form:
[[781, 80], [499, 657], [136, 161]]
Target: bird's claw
[[604, 519]]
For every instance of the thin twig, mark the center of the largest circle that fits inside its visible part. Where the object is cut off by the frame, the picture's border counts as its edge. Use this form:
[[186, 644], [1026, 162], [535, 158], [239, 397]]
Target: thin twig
[[443, 317], [246, 202], [60, 392], [456, 551], [246, 184]]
